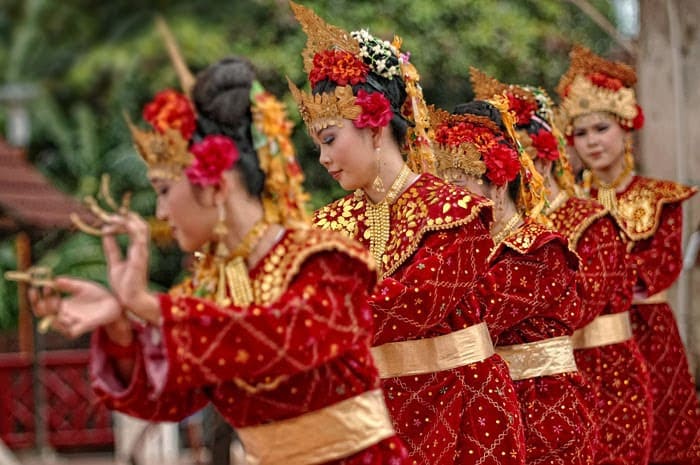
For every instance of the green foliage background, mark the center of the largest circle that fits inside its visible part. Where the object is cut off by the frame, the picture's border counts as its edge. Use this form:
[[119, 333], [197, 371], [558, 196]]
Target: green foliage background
[[94, 60]]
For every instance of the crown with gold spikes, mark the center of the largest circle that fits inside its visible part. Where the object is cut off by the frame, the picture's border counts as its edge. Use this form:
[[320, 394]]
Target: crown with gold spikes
[[327, 109], [522, 101], [165, 149], [166, 154], [344, 58], [473, 144], [593, 84]]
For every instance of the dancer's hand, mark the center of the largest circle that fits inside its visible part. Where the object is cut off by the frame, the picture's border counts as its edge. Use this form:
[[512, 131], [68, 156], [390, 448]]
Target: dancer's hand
[[87, 306], [128, 276]]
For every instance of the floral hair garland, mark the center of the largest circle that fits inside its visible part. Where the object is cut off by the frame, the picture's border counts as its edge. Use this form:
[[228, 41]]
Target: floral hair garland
[[284, 198], [380, 55]]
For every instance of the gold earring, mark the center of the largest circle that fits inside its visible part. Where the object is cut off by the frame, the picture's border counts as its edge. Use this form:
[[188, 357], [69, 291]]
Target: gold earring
[[378, 184], [221, 255]]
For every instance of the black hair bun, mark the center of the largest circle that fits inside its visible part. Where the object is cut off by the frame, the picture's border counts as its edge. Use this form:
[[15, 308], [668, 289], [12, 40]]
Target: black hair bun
[[222, 91], [221, 95]]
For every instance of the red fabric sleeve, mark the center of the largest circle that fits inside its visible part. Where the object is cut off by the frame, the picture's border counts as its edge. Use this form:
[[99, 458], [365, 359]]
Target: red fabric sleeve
[[540, 284], [321, 315], [658, 260]]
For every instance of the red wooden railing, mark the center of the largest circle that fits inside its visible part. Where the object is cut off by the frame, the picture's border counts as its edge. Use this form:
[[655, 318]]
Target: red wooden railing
[[72, 416]]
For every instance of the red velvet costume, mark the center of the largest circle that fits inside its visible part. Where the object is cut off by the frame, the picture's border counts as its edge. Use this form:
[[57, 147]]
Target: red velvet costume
[[302, 346], [530, 294], [617, 372], [438, 245], [651, 215]]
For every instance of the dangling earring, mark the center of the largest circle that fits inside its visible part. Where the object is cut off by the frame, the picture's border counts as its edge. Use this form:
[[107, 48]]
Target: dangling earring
[[629, 156], [378, 184], [221, 254]]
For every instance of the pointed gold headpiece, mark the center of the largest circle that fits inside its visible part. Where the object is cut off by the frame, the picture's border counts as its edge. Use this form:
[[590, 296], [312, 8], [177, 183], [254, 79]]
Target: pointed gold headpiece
[[166, 148], [327, 109], [321, 36], [594, 84], [166, 154], [485, 87]]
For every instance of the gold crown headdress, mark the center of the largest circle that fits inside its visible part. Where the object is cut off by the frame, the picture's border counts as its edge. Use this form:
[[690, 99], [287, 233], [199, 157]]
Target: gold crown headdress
[[166, 153], [485, 87], [350, 58], [330, 108], [593, 84], [327, 109], [456, 154]]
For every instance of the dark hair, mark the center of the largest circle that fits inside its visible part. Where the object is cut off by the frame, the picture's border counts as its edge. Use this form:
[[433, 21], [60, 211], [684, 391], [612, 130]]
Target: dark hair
[[221, 96], [393, 89], [483, 108]]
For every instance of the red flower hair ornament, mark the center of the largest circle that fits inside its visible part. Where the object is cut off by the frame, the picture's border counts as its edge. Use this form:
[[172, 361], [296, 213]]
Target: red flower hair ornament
[[546, 145], [502, 164], [212, 156], [341, 67], [376, 110]]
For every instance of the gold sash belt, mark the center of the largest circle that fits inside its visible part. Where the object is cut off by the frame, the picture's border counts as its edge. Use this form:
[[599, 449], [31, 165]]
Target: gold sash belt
[[460, 348], [604, 330], [658, 298], [541, 358], [328, 434]]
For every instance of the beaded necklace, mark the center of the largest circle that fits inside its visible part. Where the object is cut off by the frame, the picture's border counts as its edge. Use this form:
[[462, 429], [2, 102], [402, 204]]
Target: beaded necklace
[[378, 217]]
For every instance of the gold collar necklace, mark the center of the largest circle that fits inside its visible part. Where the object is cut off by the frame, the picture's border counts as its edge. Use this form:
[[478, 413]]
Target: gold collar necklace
[[378, 217]]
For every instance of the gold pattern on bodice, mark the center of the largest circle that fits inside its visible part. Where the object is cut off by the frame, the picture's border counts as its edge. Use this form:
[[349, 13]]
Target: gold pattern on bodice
[[524, 238], [429, 204], [283, 261], [639, 207], [573, 217], [276, 270]]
